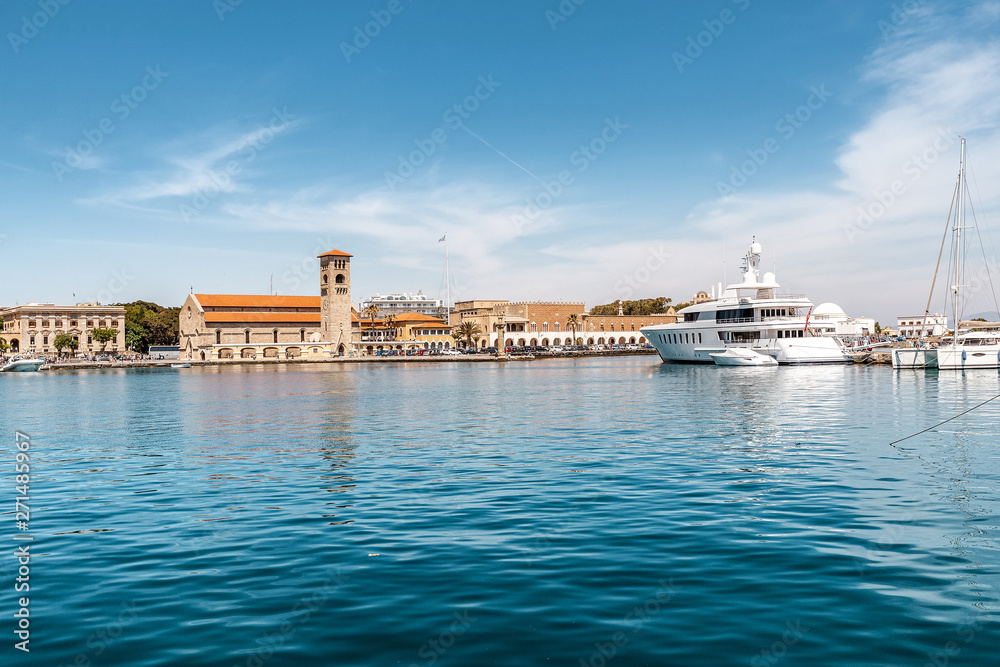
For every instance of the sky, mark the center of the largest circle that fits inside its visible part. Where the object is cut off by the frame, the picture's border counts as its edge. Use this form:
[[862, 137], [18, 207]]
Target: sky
[[570, 150]]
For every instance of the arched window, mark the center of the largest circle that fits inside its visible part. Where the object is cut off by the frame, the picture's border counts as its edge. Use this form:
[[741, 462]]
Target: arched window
[[246, 336], [275, 332], [302, 335], [556, 327], [340, 279], [534, 326], [218, 337], [326, 279]]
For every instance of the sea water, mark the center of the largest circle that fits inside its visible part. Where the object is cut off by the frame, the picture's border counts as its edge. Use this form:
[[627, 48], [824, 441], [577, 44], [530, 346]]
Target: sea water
[[567, 512]]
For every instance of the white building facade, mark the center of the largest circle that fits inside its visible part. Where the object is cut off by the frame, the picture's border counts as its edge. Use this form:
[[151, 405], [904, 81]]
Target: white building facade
[[922, 325], [395, 304]]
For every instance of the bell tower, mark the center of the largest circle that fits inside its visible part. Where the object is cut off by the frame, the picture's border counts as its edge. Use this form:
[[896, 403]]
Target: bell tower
[[335, 300]]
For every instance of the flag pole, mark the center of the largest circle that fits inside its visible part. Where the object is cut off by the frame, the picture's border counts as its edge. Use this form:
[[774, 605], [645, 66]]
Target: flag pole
[[447, 281]]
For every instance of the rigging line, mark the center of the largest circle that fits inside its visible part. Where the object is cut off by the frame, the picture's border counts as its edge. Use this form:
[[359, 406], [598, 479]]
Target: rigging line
[[502, 155], [894, 442], [947, 224], [982, 207], [986, 262]]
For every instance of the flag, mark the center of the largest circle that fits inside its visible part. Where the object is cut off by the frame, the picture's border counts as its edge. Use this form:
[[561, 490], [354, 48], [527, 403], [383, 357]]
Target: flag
[[442, 238], [806, 328]]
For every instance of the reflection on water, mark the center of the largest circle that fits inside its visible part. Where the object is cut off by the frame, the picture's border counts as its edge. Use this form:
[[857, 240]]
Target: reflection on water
[[349, 514]]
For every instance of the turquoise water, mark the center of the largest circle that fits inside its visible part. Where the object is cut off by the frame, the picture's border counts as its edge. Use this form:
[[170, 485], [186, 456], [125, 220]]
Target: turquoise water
[[563, 512]]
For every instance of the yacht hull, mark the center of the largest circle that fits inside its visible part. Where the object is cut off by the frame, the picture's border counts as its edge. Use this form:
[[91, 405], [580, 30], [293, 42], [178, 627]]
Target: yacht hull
[[697, 344], [962, 357], [915, 357]]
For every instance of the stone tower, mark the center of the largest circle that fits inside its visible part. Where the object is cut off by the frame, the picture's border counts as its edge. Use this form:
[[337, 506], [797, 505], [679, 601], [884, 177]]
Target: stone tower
[[335, 300]]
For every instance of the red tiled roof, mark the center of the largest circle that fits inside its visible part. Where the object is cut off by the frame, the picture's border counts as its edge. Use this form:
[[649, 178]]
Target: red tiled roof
[[335, 253], [257, 301], [297, 318]]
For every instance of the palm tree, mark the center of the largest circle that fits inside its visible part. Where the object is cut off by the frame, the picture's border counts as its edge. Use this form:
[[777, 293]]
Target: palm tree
[[390, 323], [573, 322], [467, 331]]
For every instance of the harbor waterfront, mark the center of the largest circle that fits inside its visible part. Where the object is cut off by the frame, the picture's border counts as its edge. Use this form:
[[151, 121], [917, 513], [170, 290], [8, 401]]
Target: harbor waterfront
[[577, 511]]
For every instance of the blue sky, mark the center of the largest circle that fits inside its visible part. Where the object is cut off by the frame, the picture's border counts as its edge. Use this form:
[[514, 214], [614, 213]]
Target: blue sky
[[598, 151]]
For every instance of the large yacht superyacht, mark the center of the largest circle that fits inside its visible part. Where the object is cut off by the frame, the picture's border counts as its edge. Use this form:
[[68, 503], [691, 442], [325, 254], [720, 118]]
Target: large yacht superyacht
[[749, 314]]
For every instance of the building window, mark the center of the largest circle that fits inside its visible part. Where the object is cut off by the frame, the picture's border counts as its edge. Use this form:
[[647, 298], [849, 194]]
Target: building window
[[32, 341], [275, 332], [326, 279], [302, 335], [545, 326], [534, 326], [556, 327], [218, 337], [340, 279], [45, 340], [246, 336]]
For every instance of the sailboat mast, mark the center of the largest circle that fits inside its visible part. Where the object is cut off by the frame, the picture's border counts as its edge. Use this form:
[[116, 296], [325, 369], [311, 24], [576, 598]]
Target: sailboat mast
[[447, 281], [959, 221]]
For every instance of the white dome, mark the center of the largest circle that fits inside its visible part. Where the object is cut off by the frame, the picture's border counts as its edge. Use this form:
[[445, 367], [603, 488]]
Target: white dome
[[829, 310], [755, 248]]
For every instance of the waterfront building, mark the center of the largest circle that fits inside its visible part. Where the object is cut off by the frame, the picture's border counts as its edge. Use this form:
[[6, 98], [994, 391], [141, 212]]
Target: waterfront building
[[396, 304], [32, 328], [830, 319], [227, 326], [544, 323], [917, 326], [405, 331]]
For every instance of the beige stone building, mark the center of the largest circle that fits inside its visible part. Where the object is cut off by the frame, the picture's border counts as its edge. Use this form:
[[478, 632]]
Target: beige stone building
[[253, 326], [545, 323], [32, 328], [404, 331]]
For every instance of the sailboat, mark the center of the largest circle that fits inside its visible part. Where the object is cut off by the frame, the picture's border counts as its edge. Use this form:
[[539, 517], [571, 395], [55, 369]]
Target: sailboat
[[968, 348]]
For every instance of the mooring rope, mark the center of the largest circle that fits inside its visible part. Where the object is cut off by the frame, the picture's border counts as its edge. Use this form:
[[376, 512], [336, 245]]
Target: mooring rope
[[946, 420]]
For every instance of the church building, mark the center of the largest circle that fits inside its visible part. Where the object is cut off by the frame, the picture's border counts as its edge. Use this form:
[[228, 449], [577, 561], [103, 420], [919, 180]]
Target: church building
[[253, 326]]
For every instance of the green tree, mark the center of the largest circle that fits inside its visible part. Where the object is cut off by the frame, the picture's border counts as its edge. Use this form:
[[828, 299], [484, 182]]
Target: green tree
[[148, 323], [878, 328], [103, 336], [62, 341], [573, 322], [633, 308], [467, 331], [4, 346]]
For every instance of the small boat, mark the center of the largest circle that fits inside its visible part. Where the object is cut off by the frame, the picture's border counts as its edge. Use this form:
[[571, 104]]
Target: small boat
[[22, 365], [742, 356], [180, 365]]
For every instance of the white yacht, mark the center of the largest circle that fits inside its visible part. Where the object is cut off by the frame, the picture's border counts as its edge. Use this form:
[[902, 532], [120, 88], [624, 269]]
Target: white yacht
[[19, 365], [749, 314], [968, 348]]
